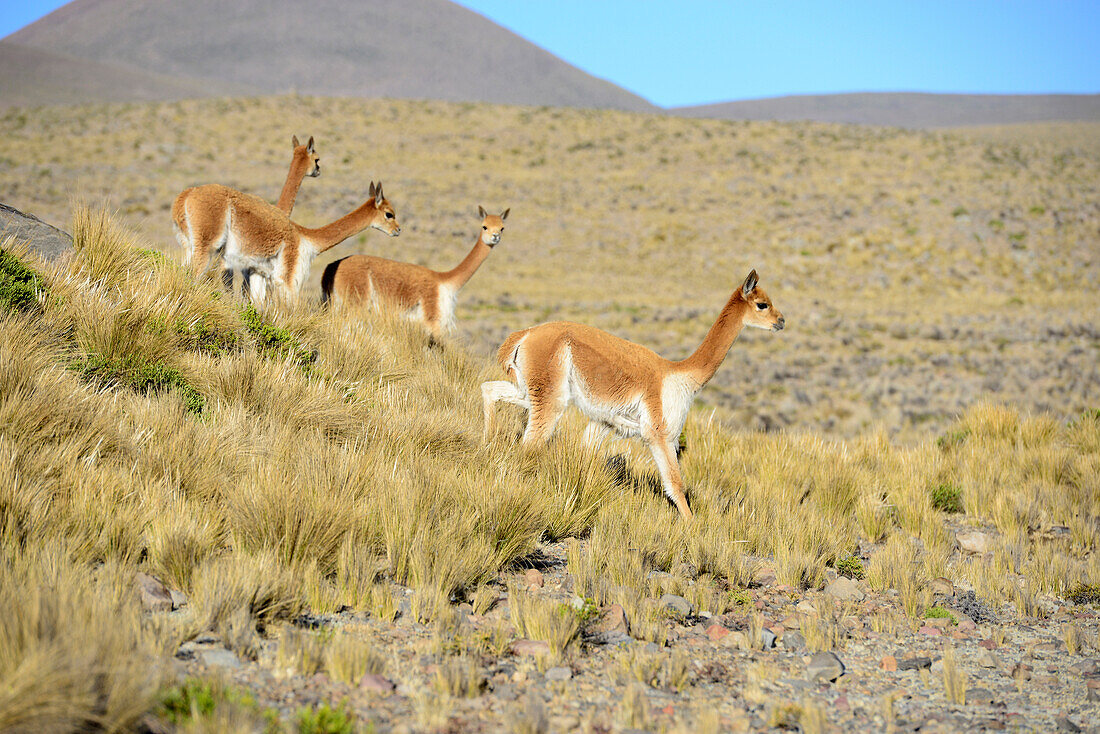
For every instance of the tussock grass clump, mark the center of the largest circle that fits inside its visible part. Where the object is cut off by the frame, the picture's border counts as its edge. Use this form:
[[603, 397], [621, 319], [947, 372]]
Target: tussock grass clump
[[552, 623]]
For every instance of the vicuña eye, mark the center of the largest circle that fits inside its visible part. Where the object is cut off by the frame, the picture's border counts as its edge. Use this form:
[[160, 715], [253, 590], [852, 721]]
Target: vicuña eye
[[761, 306], [389, 215], [484, 227]]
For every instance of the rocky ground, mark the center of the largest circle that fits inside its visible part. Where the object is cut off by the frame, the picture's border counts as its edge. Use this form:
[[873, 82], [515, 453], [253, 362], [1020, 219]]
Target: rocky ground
[[770, 663]]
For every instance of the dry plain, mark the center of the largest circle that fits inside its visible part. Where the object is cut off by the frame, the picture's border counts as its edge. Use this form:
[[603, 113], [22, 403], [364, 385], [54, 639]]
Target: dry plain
[[331, 515]]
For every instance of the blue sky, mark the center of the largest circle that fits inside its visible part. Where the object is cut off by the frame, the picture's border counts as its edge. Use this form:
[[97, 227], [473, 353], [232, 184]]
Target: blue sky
[[682, 52]]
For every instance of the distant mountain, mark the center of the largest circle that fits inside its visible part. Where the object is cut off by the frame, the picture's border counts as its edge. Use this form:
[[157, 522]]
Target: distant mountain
[[33, 76], [432, 49], [907, 109]]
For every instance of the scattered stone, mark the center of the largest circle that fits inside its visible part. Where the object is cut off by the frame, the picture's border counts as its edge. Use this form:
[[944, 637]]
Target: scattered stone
[[987, 659], [676, 604], [532, 648], [941, 586], [974, 608], [612, 627], [767, 638], [220, 657], [737, 640], [1021, 672], [154, 594], [988, 644], [930, 631], [376, 684], [763, 576], [1087, 667], [179, 599], [806, 607], [914, 663], [1092, 689], [534, 578], [845, 589], [1064, 724], [793, 641], [559, 673], [889, 663], [974, 541], [716, 632], [979, 696], [824, 666]]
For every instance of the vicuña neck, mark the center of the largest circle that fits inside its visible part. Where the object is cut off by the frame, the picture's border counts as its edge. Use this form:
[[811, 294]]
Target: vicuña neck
[[469, 265], [293, 183], [333, 234], [705, 361]]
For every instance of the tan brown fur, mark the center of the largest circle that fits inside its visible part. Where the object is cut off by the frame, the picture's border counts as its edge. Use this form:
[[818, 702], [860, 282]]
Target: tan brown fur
[[425, 294], [617, 384], [261, 240], [303, 162]]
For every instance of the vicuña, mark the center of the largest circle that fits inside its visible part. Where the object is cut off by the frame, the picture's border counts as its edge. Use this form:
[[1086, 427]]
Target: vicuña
[[425, 295], [260, 240], [303, 162], [619, 385]]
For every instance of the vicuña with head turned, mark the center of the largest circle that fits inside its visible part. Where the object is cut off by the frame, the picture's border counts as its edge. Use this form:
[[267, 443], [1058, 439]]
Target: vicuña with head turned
[[260, 240], [619, 385], [429, 296]]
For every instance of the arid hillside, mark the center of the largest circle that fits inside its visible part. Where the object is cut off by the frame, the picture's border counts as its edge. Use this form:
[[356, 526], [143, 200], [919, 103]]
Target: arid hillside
[[419, 49], [908, 109], [919, 272]]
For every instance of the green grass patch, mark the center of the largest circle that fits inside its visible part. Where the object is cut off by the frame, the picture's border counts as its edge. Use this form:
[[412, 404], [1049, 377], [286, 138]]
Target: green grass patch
[[141, 376], [947, 498], [19, 285], [939, 613], [275, 342], [197, 335], [851, 567], [952, 439], [326, 720]]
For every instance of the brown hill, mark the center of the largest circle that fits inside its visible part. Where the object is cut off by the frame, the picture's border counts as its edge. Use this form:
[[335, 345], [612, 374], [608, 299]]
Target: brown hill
[[33, 76], [430, 49], [908, 109]]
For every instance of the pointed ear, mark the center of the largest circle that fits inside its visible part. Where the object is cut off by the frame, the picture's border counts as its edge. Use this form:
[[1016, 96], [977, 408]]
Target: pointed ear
[[378, 195], [750, 283], [370, 192], [481, 211], [294, 141], [504, 214], [309, 145]]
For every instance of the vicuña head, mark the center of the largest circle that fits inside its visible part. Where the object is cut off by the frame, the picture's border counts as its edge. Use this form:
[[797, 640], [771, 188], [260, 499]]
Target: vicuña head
[[491, 226], [619, 385], [306, 157], [385, 218]]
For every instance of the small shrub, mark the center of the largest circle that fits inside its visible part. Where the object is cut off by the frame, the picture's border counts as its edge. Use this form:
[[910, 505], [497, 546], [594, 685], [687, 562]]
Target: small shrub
[[740, 597], [952, 439], [939, 613], [1084, 594], [190, 699], [19, 285], [326, 720], [947, 498], [851, 567], [139, 375]]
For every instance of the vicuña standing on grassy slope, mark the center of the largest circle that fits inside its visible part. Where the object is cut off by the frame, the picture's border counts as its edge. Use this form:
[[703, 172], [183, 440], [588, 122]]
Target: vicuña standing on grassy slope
[[425, 295], [260, 240], [303, 162], [619, 385]]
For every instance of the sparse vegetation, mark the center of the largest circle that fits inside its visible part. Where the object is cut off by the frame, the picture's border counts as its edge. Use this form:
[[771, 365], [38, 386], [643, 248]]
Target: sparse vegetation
[[851, 567], [947, 498]]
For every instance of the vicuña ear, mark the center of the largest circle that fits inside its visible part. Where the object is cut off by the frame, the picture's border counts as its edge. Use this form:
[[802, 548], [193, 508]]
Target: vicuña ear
[[370, 191], [750, 283], [294, 141], [504, 214], [481, 211], [378, 195], [309, 145]]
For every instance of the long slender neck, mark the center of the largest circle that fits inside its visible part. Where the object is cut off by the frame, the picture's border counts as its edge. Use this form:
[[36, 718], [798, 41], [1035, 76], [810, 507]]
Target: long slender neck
[[294, 178], [705, 361], [457, 278], [333, 234]]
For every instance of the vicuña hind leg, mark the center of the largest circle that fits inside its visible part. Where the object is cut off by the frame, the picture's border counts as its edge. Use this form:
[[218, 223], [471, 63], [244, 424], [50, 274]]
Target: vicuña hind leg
[[664, 453], [497, 390]]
